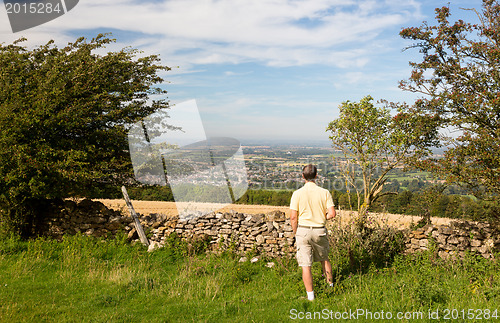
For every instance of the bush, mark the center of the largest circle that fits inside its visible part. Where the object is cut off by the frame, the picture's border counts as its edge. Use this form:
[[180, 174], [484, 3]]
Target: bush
[[358, 245], [177, 248], [64, 116]]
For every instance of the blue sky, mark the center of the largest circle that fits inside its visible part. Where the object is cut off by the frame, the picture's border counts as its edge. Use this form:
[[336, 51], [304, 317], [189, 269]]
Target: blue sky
[[261, 69]]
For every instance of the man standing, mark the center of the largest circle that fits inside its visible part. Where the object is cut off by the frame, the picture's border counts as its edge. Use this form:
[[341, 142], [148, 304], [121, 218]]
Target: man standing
[[310, 207]]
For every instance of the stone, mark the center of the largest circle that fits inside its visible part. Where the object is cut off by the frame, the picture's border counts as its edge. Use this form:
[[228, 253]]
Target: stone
[[89, 232], [270, 264], [257, 218], [255, 232], [441, 239], [489, 243], [429, 230], [475, 234], [276, 215], [445, 230], [419, 235], [259, 239], [254, 259], [463, 243], [483, 249], [453, 239], [448, 247], [154, 245], [243, 259], [276, 225], [113, 226], [423, 243]]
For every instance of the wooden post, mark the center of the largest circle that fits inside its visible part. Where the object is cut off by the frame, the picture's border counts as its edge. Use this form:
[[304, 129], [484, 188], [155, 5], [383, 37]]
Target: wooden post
[[138, 226]]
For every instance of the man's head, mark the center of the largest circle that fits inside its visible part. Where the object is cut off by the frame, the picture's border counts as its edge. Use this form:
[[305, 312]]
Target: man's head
[[309, 172]]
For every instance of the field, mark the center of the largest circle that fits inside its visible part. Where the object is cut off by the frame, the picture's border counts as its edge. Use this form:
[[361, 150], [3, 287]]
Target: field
[[83, 279], [169, 209], [86, 279]]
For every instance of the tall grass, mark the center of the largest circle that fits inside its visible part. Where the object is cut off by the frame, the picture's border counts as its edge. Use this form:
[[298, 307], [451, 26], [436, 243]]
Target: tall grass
[[83, 279]]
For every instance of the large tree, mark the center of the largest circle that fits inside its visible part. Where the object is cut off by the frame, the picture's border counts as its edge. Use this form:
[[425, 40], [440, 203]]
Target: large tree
[[63, 120], [459, 79], [373, 142]]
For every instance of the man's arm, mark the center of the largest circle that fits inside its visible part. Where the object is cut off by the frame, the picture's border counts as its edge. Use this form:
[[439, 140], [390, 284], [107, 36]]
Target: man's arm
[[331, 213], [294, 220]]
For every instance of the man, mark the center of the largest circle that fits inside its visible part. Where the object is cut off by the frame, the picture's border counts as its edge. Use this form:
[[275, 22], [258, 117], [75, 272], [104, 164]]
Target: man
[[310, 207]]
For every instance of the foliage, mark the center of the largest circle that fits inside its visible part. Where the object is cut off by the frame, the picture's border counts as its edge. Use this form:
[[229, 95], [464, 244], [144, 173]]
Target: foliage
[[430, 202], [176, 248], [266, 197], [459, 77], [359, 245], [374, 143], [63, 120]]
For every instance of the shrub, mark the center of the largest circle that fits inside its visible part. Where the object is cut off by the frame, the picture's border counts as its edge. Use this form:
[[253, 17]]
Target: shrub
[[359, 245], [178, 248]]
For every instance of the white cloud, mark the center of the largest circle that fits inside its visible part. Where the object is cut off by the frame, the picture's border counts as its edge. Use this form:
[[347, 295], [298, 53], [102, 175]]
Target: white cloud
[[273, 32]]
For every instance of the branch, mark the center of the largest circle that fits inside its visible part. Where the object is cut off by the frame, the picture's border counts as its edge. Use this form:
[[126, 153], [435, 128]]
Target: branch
[[383, 194]]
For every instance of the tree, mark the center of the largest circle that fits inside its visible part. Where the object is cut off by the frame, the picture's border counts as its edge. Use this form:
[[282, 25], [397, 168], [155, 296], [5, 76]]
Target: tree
[[63, 121], [459, 78], [374, 143]]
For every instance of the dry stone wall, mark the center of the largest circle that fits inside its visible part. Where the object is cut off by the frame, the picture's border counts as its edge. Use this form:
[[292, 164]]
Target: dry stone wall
[[86, 216], [269, 234], [456, 239]]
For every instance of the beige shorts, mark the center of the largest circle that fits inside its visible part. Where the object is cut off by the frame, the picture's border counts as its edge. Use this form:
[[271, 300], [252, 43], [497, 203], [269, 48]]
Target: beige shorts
[[312, 245]]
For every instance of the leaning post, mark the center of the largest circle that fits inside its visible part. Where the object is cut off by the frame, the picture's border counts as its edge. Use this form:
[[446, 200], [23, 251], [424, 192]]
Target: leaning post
[[138, 225]]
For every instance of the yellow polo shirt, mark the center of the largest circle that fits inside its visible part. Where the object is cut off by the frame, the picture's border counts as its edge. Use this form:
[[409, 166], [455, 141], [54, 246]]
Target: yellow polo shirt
[[311, 203]]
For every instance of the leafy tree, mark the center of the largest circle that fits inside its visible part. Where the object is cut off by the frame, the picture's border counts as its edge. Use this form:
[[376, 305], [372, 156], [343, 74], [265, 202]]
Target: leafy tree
[[459, 78], [373, 143], [63, 121]]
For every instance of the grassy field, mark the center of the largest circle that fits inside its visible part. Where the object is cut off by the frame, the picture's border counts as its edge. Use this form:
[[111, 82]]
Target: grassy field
[[83, 279]]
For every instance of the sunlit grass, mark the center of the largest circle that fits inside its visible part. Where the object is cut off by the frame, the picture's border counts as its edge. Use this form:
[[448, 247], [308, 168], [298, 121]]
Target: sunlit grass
[[84, 279]]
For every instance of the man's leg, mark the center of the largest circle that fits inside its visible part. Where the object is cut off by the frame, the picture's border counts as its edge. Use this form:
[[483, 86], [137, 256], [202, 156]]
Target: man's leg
[[327, 270], [308, 281], [307, 277]]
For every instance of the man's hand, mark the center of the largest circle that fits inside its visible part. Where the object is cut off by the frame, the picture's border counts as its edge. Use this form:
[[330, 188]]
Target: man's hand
[[294, 220], [331, 213]]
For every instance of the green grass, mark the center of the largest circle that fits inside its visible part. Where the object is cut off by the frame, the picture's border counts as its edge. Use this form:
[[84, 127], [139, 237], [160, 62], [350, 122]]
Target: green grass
[[409, 176], [84, 279]]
